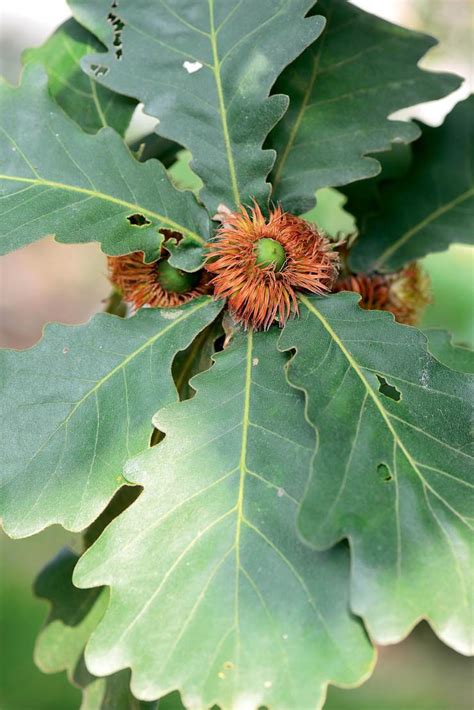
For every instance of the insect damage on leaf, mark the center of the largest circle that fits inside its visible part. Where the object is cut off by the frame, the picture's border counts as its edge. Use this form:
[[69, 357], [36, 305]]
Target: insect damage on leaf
[[388, 390], [88, 103], [138, 220], [384, 472], [99, 70], [205, 70], [117, 26], [373, 388], [56, 179]]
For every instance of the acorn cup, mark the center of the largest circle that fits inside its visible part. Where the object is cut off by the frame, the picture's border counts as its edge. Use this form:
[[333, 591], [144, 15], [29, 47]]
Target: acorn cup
[[158, 284], [405, 293], [259, 264]]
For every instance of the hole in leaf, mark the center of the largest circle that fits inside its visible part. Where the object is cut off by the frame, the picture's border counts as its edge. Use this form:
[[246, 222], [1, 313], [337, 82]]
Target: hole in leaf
[[138, 220], [384, 472], [170, 234], [117, 26], [99, 69], [388, 390]]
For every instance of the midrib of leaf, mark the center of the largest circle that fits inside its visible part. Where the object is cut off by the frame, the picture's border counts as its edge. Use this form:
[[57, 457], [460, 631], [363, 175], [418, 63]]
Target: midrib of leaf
[[397, 441], [97, 105], [240, 498], [65, 83], [222, 108], [243, 471], [301, 112], [106, 198], [116, 369], [421, 225]]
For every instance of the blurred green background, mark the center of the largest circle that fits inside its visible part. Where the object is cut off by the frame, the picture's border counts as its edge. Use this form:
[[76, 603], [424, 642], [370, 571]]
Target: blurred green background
[[47, 281]]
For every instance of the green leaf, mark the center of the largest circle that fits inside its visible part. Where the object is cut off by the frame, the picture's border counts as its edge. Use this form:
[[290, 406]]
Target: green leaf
[[154, 146], [392, 472], [260, 618], [205, 70], [342, 90], [91, 105], [363, 197], [56, 179], [74, 614], [432, 206], [455, 357], [196, 358], [78, 404]]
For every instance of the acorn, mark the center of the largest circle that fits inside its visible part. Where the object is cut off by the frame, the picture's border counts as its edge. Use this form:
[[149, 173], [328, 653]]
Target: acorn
[[405, 293], [260, 264], [158, 284]]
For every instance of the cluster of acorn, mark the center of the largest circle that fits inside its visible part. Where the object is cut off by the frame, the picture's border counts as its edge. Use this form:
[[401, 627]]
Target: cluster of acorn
[[259, 265]]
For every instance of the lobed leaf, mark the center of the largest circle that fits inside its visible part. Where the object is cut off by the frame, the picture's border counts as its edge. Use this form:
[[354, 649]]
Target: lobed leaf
[[56, 179], [432, 206], [363, 198], [393, 470], [91, 105], [196, 358], [154, 146], [456, 357], [74, 614], [205, 70], [79, 404], [260, 619], [342, 90]]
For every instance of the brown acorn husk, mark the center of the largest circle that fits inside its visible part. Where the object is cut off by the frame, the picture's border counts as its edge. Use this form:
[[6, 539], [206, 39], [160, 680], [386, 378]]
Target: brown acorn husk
[[139, 284], [405, 293], [259, 295]]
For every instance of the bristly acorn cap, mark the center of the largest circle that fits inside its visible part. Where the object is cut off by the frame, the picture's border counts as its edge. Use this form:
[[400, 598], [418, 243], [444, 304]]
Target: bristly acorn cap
[[405, 293], [259, 264], [158, 284]]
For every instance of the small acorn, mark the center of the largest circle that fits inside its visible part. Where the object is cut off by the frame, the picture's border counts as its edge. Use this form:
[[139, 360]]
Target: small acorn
[[259, 264], [405, 293], [158, 284]]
